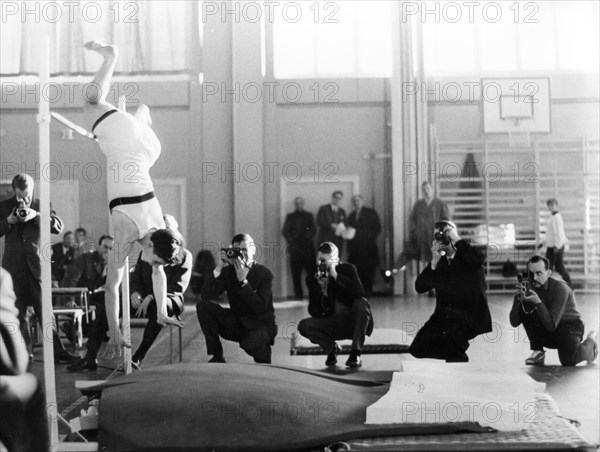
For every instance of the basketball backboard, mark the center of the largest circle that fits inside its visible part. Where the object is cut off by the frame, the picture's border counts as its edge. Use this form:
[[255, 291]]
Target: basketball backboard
[[516, 105]]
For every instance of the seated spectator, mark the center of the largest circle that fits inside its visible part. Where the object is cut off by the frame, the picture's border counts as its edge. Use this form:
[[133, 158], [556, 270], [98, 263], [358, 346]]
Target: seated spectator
[[89, 270], [24, 423], [250, 321], [337, 307], [82, 245], [548, 311], [63, 255]]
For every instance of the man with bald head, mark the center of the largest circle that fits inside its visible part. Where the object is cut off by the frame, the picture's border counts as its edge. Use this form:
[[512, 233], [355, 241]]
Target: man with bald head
[[299, 231]]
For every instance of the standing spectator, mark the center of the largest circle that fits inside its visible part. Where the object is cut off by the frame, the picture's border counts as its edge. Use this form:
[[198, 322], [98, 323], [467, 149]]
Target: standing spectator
[[556, 241], [250, 321], [331, 220], [426, 212], [20, 225], [89, 270], [362, 249], [63, 255], [299, 230]]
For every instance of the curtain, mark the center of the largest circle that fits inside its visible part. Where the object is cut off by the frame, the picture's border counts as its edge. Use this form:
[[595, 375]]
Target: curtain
[[152, 36], [411, 150]]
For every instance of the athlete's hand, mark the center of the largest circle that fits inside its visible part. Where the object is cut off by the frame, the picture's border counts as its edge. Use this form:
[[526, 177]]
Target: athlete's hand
[[165, 320], [115, 344], [143, 307], [136, 300]]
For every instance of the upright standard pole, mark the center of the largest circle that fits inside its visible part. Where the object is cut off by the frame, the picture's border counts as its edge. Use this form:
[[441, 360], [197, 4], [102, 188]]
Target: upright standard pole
[[47, 315], [125, 293]]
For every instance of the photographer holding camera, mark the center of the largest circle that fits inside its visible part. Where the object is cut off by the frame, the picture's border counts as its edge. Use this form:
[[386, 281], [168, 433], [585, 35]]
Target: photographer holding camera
[[20, 226], [547, 309], [337, 307], [461, 312], [250, 321]]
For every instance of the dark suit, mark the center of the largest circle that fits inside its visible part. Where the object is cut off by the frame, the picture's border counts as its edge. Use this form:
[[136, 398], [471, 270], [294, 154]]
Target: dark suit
[[299, 231], [461, 310], [178, 279], [250, 321], [22, 259], [87, 270], [24, 425], [342, 313], [362, 249], [421, 224], [325, 217], [61, 261]]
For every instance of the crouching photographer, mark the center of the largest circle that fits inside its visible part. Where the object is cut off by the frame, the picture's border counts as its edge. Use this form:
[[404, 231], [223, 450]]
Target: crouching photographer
[[461, 310], [337, 307], [250, 321], [548, 311]]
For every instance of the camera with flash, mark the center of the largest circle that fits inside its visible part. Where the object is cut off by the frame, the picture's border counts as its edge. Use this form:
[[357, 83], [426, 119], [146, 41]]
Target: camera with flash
[[232, 253], [21, 210], [439, 235], [322, 270]]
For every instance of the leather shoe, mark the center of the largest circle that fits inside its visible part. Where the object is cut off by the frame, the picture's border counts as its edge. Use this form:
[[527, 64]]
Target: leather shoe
[[536, 359], [354, 360], [83, 365], [592, 336], [63, 356], [217, 359], [332, 356]]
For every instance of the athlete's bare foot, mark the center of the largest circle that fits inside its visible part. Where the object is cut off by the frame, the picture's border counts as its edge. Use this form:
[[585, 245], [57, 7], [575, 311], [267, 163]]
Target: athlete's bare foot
[[107, 51]]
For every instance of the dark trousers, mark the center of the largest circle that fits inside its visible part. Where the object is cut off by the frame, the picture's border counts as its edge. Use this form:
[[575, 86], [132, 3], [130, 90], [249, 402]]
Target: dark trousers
[[365, 267], [217, 321], [302, 260], [566, 338], [557, 264], [354, 322], [152, 328], [97, 328], [441, 339], [24, 426], [28, 290]]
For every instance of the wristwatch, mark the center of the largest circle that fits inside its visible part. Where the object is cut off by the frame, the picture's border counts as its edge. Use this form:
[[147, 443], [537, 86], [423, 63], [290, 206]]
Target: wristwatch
[[243, 283]]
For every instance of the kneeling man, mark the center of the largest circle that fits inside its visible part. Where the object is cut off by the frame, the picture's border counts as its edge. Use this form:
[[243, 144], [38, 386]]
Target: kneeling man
[[250, 321], [551, 319], [461, 310], [337, 307]]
